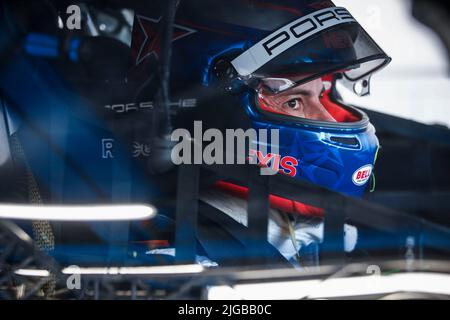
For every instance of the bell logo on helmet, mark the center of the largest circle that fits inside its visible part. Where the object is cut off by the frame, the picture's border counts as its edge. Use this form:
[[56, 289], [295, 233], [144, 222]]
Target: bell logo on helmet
[[362, 175]]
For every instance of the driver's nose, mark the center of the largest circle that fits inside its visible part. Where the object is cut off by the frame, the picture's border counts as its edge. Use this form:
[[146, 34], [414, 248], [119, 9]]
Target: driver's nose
[[316, 111]]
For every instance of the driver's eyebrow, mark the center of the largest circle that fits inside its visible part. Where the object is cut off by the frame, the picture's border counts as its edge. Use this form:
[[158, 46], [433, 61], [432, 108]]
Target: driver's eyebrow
[[303, 92], [308, 93]]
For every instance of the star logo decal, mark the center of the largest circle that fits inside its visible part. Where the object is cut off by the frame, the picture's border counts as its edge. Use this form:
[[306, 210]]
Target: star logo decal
[[147, 37]]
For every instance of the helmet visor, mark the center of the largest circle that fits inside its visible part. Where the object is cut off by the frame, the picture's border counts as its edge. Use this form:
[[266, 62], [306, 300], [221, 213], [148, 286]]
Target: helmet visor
[[309, 48]]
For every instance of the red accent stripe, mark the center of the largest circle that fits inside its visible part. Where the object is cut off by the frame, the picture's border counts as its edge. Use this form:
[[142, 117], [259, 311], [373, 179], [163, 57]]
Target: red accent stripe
[[276, 202], [154, 244]]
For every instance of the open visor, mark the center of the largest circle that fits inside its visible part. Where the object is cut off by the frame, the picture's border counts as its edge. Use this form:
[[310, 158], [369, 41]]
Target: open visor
[[324, 42]]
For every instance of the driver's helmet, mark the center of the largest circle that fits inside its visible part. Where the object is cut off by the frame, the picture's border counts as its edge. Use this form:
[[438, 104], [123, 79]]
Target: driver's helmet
[[274, 65]]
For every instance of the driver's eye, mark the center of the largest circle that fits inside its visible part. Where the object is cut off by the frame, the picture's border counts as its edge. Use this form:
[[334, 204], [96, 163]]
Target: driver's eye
[[292, 104]]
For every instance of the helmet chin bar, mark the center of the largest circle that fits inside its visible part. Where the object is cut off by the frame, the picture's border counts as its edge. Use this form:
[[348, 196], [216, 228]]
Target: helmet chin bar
[[360, 87]]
